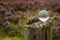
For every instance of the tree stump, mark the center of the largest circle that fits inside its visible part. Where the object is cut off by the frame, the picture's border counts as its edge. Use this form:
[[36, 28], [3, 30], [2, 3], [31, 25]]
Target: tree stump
[[37, 32]]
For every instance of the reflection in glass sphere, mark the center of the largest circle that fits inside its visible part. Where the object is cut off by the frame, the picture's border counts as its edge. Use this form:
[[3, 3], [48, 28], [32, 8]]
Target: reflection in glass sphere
[[43, 15]]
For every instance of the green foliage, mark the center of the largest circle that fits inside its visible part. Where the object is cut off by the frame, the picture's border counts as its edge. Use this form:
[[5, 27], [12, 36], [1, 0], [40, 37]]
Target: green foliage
[[15, 21], [17, 38], [24, 23], [56, 38], [1, 38]]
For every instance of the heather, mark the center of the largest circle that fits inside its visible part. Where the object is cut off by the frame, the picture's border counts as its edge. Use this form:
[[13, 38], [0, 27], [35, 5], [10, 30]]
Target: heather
[[15, 14]]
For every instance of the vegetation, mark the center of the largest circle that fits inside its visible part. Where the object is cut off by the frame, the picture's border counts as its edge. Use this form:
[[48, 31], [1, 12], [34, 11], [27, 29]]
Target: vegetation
[[15, 14]]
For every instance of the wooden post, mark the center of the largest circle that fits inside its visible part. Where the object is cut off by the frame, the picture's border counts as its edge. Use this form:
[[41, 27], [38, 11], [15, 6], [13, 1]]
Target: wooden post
[[35, 32]]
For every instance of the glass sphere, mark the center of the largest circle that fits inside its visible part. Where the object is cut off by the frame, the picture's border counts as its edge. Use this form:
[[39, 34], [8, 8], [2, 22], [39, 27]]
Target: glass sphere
[[43, 15]]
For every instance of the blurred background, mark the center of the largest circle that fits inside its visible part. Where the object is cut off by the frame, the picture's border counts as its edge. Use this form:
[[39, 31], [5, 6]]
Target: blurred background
[[15, 14]]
